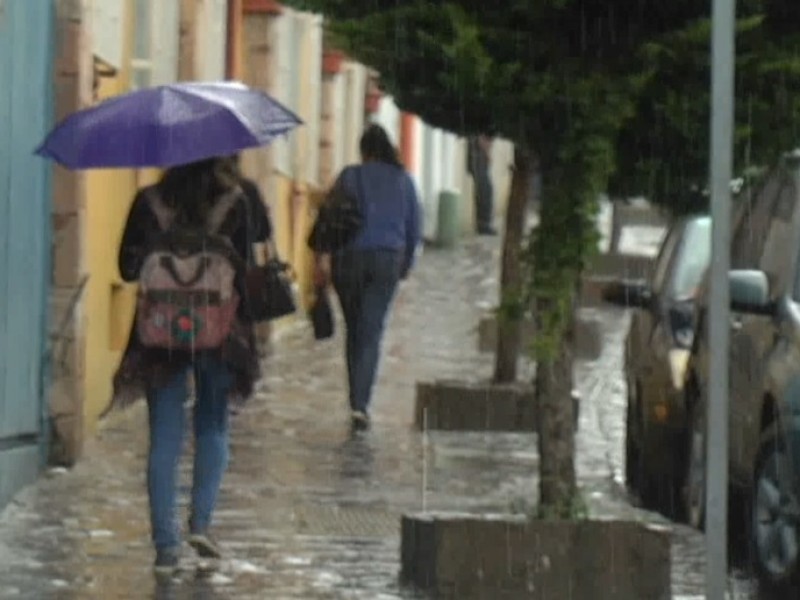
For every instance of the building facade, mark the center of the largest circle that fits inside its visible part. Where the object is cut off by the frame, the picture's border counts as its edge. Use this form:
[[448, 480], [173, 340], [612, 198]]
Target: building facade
[[109, 47]]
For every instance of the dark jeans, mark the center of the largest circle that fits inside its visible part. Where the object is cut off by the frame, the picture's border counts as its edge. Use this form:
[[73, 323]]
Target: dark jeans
[[365, 282], [484, 202]]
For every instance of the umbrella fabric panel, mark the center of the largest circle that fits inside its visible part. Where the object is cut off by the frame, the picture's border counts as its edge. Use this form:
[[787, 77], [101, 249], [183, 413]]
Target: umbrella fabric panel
[[167, 126]]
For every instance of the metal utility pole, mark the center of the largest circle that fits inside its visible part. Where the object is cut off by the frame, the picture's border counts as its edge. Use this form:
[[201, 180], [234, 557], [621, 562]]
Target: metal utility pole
[[723, 61]]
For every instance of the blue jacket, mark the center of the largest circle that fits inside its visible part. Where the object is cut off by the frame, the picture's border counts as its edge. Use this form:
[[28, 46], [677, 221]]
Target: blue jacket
[[390, 207]]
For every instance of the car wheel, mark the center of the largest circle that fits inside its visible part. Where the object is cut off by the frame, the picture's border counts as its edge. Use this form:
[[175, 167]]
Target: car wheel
[[774, 516], [694, 489]]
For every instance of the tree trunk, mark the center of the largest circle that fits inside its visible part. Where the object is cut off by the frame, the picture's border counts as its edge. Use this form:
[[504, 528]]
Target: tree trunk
[[509, 318], [556, 429]]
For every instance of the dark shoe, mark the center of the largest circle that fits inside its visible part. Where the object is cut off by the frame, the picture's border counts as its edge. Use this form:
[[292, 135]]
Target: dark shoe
[[205, 546], [167, 560], [359, 420], [487, 231]]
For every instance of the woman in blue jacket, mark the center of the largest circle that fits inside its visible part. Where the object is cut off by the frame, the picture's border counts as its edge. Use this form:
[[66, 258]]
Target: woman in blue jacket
[[366, 273]]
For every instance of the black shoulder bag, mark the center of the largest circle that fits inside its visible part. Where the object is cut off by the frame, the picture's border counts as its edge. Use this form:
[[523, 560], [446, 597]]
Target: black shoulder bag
[[339, 219], [268, 287]]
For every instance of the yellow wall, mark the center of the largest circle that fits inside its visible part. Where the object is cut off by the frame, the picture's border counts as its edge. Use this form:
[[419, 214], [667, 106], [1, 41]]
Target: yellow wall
[[108, 302], [292, 215]]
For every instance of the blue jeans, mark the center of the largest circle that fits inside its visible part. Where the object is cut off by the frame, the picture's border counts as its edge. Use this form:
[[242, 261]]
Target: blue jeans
[[365, 282], [167, 415]]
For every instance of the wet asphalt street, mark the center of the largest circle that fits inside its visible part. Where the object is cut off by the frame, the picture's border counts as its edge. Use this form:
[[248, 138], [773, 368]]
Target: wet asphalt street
[[307, 511]]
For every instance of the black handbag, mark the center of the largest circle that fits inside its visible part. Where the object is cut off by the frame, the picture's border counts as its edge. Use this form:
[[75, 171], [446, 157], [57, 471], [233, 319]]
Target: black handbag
[[339, 219], [321, 316], [269, 290], [270, 294]]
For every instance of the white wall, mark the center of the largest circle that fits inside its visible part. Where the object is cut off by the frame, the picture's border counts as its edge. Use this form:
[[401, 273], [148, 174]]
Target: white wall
[[339, 138], [450, 176], [108, 30], [284, 85], [355, 76], [211, 40], [388, 117], [166, 42], [311, 109], [502, 160]]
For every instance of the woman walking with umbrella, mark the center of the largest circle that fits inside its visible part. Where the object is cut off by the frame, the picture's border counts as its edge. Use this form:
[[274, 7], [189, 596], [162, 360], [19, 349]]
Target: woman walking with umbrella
[[186, 243], [190, 194]]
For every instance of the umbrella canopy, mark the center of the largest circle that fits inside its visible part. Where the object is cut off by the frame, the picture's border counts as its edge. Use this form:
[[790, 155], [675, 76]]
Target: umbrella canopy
[[168, 125]]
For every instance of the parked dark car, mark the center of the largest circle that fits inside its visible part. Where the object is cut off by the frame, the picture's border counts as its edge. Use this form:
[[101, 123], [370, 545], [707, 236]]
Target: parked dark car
[[764, 422], [656, 354]]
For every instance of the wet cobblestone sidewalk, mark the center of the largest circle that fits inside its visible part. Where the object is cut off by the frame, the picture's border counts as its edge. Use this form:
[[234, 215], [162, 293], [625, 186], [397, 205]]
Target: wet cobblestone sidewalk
[[306, 510]]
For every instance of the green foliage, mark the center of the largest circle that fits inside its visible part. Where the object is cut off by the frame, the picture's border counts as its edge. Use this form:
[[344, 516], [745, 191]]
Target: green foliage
[[572, 509], [555, 75], [513, 306], [610, 95], [663, 151]]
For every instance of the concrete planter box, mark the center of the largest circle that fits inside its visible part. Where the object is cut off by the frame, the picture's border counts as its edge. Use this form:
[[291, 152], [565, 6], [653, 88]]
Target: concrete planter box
[[608, 268], [475, 406], [508, 556], [592, 290], [588, 336], [622, 266]]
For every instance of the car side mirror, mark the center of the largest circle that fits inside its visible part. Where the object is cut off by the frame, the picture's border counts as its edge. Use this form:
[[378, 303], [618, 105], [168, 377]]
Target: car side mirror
[[750, 293], [628, 294]]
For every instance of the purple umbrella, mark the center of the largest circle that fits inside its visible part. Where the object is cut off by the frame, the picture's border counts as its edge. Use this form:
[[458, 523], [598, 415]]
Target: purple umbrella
[[168, 125]]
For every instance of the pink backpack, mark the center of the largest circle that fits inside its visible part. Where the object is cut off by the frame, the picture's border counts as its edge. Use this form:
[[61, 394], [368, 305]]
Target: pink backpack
[[187, 299]]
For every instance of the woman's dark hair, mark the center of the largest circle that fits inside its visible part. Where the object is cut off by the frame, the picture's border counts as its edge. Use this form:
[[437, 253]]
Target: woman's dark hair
[[192, 189], [375, 145]]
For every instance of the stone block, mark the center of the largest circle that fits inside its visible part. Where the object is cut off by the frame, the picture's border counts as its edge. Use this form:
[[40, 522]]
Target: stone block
[[66, 440], [69, 191], [592, 289], [68, 268], [72, 47], [66, 316], [621, 266], [67, 95], [71, 10], [475, 406], [66, 397], [68, 353], [588, 336], [509, 556]]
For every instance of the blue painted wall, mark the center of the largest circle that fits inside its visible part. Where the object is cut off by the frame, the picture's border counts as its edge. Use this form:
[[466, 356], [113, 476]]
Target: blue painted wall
[[27, 39]]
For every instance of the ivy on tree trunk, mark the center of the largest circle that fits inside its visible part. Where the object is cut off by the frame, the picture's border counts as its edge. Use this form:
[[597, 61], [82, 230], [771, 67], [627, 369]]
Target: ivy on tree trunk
[[560, 248], [512, 306], [556, 432]]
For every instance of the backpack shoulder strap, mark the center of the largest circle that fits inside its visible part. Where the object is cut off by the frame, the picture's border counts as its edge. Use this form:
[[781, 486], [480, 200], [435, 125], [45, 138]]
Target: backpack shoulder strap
[[220, 210], [164, 214]]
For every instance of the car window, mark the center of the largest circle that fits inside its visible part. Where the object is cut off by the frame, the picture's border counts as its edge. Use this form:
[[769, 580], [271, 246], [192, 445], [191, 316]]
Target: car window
[[693, 259], [664, 259], [752, 225], [776, 259]]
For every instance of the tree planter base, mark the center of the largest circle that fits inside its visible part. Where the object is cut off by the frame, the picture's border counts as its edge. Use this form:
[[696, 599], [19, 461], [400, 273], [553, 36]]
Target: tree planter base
[[475, 406], [592, 290], [508, 556], [588, 338]]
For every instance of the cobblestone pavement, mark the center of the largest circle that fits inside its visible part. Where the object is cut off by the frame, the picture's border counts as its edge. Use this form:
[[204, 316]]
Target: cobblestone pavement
[[307, 511]]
